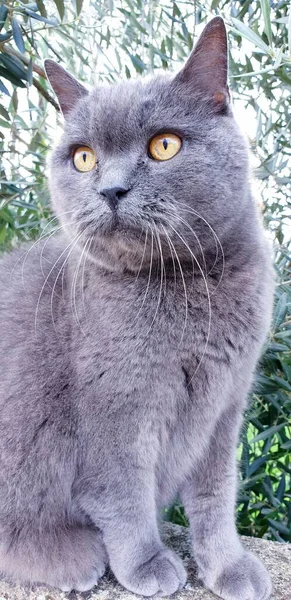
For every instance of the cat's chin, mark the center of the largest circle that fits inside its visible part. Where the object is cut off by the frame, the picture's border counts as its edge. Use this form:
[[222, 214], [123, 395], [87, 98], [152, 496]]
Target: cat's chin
[[118, 228], [118, 246]]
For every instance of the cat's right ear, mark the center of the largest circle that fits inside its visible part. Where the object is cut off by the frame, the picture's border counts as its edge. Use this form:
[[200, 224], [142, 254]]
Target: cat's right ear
[[206, 68], [65, 86]]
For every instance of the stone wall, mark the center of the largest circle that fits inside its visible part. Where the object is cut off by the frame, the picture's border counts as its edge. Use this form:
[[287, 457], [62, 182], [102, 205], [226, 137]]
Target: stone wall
[[277, 558]]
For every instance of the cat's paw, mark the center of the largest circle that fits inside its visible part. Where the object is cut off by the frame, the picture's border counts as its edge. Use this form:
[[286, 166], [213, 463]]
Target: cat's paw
[[163, 575], [84, 584], [246, 579], [86, 562]]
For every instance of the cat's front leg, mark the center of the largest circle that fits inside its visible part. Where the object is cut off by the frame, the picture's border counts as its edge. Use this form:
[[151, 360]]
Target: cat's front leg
[[126, 513], [209, 497]]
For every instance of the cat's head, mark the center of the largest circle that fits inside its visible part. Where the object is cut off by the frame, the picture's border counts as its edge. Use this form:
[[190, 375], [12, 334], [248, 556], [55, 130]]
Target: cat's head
[[165, 166]]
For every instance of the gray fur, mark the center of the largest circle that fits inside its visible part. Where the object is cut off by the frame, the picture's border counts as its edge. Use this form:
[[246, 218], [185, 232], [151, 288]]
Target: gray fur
[[115, 393]]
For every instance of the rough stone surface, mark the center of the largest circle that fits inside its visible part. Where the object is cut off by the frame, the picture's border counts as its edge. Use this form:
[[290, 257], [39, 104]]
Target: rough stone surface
[[277, 558]]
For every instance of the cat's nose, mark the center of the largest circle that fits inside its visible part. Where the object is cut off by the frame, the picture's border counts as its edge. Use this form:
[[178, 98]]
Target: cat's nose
[[113, 195]]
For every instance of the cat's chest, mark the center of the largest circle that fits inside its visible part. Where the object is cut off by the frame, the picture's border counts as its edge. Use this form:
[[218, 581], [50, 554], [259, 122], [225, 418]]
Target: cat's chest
[[145, 332], [125, 318]]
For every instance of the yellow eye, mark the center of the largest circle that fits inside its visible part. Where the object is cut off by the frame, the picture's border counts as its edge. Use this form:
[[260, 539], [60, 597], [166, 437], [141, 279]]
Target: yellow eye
[[84, 159], [165, 146]]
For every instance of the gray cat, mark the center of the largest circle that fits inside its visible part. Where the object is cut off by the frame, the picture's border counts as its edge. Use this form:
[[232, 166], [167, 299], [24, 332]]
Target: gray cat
[[129, 339]]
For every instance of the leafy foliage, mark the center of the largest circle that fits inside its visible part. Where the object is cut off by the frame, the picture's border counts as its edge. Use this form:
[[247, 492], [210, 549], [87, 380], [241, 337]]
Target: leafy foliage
[[112, 39], [265, 492]]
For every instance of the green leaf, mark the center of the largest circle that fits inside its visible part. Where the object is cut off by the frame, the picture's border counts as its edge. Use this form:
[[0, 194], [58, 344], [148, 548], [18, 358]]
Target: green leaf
[[118, 59], [138, 64], [41, 7], [171, 17], [3, 15], [157, 51], [187, 35], [280, 310], [17, 35], [13, 65], [6, 215], [11, 77], [267, 433], [4, 113], [78, 4], [279, 526], [250, 35], [31, 13], [277, 348], [281, 487], [169, 44], [282, 383], [3, 88], [286, 445], [4, 124], [265, 6], [284, 335], [5, 36], [278, 59], [3, 234], [132, 19], [176, 10], [265, 385], [61, 9], [256, 464], [15, 100]]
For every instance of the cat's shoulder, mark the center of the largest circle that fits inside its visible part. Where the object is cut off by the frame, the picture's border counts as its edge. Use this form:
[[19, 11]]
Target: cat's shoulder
[[30, 262]]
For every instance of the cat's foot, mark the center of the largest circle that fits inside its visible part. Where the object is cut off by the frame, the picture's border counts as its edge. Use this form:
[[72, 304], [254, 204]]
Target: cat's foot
[[71, 559], [245, 579], [90, 564], [84, 584], [163, 575]]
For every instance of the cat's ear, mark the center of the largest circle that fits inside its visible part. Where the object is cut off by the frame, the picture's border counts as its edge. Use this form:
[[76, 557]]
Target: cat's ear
[[66, 87], [206, 68]]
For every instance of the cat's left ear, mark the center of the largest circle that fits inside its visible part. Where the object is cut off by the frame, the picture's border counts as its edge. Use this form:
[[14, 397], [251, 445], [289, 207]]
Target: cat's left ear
[[206, 69], [66, 87]]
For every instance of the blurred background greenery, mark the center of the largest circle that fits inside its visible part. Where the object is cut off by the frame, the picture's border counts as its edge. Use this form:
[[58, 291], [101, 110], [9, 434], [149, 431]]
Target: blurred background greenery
[[111, 39]]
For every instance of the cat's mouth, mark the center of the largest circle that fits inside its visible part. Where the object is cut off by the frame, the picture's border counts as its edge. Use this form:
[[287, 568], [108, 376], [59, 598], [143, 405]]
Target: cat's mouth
[[117, 225], [113, 222]]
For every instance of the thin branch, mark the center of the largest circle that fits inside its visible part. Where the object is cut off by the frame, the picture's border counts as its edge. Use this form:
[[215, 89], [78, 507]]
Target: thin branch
[[45, 93], [26, 61]]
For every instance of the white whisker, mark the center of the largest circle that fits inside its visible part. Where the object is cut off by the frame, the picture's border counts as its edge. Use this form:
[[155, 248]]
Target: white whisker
[[143, 255], [83, 272], [149, 278], [208, 298], [61, 270], [184, 222], [47, 279], [184, 284], [24, 256], [158, 243], [162, 259], [173, 259], [73, 289], [197, 214]]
